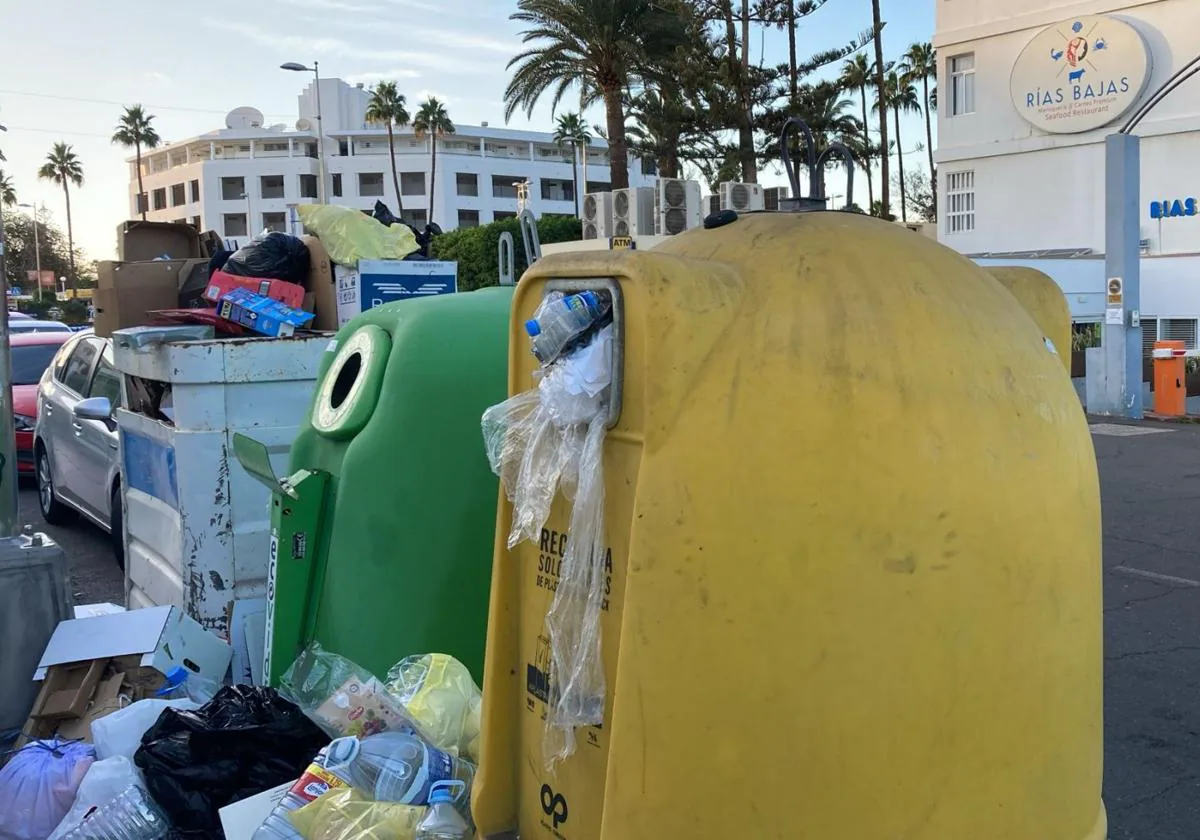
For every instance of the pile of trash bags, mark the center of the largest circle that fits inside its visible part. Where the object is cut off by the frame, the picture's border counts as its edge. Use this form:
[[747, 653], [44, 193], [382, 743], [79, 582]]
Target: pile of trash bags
[[335, 754]]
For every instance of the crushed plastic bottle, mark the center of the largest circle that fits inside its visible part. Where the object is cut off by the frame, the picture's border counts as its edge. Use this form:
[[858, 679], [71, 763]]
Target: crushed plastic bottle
[[317, 780], [131, 816], [443, 821], [182, 684], [397, 767], [560, 320]]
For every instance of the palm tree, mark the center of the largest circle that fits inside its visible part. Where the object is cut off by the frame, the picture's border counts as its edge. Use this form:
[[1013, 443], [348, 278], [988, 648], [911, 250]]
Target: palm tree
[[885, 164], [134, 130], [386, 106], [63, 167], [8, 193], [572, 131], [856, 76], [899, 94], [432, 120], [920, 65], [599, 46]]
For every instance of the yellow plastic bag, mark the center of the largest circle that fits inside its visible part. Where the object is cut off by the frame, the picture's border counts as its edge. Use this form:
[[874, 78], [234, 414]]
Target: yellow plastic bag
[[345, 814], [439, 694], [350, 235]]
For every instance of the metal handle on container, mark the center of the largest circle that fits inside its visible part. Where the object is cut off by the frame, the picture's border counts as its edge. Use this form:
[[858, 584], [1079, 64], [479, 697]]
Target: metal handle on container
[[848, 157], [815, 164], [613, 289], [529, 236], [507, 260]]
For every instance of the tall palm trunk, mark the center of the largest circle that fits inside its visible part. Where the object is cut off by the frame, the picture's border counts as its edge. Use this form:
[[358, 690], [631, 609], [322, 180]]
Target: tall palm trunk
[[884, 189], [867, 140], [70, 241], [395, 177], [900, 164], [137, 146], [618, 150], [433, 136], [793, 71], [584, 155], [933, 184], [575, 174]]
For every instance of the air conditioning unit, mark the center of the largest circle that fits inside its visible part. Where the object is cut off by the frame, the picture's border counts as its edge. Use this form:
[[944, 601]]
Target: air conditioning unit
[[772, 196], [676, 206], [744, 198], [633, 212], [597, 215], [712, 204]]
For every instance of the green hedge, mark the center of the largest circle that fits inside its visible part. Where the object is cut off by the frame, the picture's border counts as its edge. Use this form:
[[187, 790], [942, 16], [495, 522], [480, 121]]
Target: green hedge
[[476, 249]]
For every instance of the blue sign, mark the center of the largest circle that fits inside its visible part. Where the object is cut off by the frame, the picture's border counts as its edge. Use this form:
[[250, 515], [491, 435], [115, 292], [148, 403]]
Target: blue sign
[[386, 281], [149, 467], [1174, 208]]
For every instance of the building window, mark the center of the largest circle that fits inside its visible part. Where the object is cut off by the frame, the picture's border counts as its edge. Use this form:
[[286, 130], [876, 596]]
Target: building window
[[275, 221], [467, 183], [310, 150], [337, 185], [272, 186], [503, 186], [598, 187], [554, 189], [504, 214], [233, 189], [159, 198], [143, 203], [195, 188], [370, 184], [178, 195], [416, 218], [960, 198], [412, 183], [308, 186], [235, 224], [468, 218], [962, 84], [1178, 329], [343, 148]]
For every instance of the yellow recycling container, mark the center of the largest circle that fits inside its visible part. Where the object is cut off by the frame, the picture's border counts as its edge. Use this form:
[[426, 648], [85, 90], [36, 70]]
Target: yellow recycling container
[[853, 566], [1045, 302]]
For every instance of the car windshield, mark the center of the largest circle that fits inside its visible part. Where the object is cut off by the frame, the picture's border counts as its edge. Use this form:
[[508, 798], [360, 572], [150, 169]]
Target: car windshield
[[37, 326], [30, 361]]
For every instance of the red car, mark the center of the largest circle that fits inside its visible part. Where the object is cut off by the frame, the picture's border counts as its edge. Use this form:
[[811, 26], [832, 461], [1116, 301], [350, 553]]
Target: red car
[[32, 353]]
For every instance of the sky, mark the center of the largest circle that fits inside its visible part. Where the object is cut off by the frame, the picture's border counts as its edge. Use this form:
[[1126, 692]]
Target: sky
[[68, 67]]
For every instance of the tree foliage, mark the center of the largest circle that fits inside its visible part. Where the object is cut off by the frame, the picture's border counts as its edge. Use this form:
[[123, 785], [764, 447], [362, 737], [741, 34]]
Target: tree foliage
[[477, 249], [386, 107], [64, 168], [135, 130], [21, 258]]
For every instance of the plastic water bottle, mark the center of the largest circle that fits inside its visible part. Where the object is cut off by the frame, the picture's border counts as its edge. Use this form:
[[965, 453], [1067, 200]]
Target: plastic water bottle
[[131, 816], [397, 767], [182, 684], [317, 779], [560, 321], [444, 822]]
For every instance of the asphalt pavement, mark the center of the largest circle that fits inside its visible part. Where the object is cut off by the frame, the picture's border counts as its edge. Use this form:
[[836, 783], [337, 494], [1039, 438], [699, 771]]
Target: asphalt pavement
[[1150, 481]]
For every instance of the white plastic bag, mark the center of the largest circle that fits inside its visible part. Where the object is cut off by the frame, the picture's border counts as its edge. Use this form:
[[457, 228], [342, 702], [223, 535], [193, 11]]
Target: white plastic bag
[[121, 732], [38, 785], [105, 781], [541, 442]]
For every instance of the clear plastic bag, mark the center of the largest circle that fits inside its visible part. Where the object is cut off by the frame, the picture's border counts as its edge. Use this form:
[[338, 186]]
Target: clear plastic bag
[[346, 814], [542, 442], [120, 734], [440, 695], [104, 781], [343, 698]]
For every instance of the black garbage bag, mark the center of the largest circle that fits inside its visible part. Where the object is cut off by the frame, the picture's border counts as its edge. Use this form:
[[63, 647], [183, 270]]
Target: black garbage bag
[[246, 740], [384, 216], [272, 256]]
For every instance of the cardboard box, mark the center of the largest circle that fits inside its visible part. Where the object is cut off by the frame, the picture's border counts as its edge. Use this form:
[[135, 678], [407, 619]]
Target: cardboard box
[[378, 282], [261, 314], [126, 292], [322, 285], [138, 241], [68, 689], [222, 282]]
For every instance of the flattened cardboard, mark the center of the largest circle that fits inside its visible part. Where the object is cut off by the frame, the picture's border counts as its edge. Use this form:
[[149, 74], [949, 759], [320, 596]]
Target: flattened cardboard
[[321, 283], [71, 687], [138, 241], [126, 292]]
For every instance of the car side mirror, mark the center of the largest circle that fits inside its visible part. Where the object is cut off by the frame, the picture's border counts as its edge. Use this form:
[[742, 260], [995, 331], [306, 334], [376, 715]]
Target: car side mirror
[[96, 408]]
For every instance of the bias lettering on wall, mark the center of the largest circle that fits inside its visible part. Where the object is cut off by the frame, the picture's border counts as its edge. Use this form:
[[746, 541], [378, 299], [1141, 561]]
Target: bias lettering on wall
[[1174, 208]]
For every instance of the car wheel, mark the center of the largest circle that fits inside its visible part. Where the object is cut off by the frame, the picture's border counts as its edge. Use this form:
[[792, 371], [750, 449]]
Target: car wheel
[[116, 524], [53, 511]]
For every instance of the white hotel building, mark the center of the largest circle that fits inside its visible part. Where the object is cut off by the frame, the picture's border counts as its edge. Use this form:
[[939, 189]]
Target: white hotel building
[[1028, 90], [241, 179]]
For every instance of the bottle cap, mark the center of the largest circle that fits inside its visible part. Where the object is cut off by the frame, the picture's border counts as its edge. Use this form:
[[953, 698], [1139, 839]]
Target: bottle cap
[[343, 750], [176, 677], [447, 791], [533, 328]]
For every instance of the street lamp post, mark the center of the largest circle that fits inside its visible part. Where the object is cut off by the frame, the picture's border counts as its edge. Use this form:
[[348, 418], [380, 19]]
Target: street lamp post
[[8, 440], [316, 71], [37, 249]]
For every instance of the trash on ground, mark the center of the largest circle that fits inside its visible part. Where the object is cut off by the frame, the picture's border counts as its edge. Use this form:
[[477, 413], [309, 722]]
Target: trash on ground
[[437, 690], [317, 779], [443, 820], [243, 818], [548, 440], [104, 781], [246, 741], [119, 734], [348, 814], [398, 767], [131, 815], [38, 787]]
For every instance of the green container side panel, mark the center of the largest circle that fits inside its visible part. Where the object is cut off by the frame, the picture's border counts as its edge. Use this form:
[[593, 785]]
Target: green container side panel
[[404, 564]]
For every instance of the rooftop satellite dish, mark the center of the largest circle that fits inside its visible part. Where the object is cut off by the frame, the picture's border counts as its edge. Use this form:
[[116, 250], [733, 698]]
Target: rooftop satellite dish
[[303, 125], [243, 118]]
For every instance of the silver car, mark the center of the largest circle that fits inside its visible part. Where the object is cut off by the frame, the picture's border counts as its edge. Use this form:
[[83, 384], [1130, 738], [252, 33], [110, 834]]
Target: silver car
[[75, 439]]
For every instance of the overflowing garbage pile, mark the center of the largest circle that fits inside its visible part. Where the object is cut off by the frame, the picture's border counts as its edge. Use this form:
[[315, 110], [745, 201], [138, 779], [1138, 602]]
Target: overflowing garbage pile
[[334, 754]]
